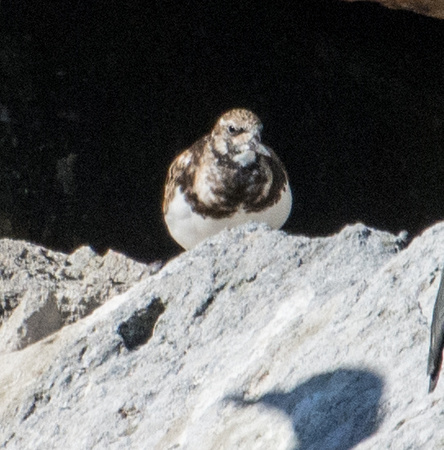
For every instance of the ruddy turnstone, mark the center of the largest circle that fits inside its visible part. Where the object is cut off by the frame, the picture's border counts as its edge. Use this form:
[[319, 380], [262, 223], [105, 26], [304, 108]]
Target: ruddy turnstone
[[226, 178]]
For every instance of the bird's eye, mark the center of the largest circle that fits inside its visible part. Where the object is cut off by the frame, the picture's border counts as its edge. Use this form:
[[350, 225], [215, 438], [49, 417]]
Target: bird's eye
[[235, 131]]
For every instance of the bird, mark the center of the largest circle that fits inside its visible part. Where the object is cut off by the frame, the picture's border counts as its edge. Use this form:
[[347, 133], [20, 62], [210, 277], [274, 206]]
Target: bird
[[225, 179]]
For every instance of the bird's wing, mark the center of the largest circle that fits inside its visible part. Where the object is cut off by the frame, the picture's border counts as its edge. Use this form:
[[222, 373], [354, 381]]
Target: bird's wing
[[182, 171], [175, 172]]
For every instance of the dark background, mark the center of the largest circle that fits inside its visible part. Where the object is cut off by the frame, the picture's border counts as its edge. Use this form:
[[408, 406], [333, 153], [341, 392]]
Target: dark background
[[351, 97]]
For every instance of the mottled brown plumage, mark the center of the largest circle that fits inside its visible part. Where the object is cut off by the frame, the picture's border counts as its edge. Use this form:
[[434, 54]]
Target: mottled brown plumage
[[226, 172]]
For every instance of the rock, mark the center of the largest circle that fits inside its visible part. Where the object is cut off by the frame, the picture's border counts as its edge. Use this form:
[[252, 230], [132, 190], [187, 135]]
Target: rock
[[253, 340], [42, 290], [433, 8]]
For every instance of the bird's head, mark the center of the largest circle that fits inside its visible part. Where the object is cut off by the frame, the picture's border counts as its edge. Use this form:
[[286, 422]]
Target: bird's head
[[237, 134]]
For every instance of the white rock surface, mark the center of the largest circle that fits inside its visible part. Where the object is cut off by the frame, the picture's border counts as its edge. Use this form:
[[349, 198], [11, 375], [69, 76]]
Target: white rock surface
[[261, 341], [42, 290]]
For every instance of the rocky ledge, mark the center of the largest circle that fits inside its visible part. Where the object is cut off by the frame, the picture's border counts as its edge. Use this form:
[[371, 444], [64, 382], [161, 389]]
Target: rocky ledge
[[253, 340], [433, 8]]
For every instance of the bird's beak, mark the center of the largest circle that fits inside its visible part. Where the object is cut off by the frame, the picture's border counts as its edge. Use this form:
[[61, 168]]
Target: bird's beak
[[256, 146], [262, 150]]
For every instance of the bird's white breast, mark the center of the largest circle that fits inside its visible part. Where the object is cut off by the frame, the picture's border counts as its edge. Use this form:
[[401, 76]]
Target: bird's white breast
[[189, 228]]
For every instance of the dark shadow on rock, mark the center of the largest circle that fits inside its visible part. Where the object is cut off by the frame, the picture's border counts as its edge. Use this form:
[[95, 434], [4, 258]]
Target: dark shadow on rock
[[335, 410]]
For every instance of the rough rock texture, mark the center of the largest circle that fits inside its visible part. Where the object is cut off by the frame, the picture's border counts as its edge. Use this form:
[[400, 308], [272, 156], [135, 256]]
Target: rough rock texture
[[46, 290], [433, 8], [253, 340]]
